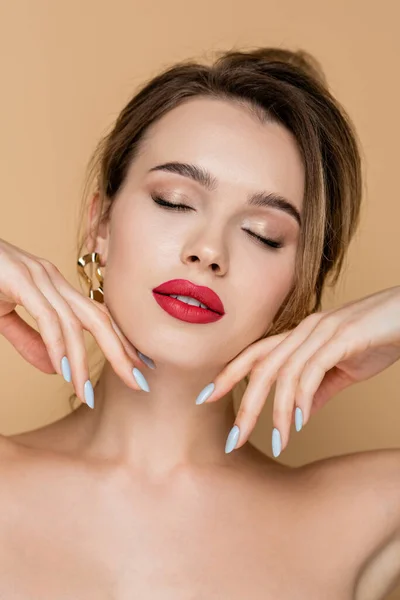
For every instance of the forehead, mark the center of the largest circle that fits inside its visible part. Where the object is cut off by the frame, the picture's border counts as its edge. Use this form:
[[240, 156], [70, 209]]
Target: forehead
[[231, 143]]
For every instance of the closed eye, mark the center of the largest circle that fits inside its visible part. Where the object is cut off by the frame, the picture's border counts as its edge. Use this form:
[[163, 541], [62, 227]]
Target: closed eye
[[170, 206], [265, 241]]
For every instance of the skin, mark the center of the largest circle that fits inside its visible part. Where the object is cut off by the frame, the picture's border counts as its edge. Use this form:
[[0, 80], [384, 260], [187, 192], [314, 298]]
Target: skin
[[146, 500]]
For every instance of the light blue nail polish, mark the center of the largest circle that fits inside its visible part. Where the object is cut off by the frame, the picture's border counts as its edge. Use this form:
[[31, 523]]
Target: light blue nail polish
[[89, 394], [140, 379], [66, 369], [147, 360], [232, 439], [298, 417], [276, 442], [205, 393]]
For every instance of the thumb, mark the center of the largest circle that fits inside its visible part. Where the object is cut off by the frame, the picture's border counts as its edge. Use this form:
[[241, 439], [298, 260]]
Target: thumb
[[334, 381], [27, 341]]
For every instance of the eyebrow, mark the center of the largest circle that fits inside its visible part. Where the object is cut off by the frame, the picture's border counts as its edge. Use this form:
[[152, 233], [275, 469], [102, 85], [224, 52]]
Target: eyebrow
[[210, 183]]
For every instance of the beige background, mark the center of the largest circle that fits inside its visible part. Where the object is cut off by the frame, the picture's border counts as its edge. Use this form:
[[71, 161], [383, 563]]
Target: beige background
[[67, 69]]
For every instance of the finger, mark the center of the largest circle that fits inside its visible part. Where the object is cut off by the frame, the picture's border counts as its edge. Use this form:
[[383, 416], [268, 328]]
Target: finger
[[241, 365], [251, 405], [129, 348], [72, 295], [263, 376], [320, 370], [79, 312], [334, 381], [27, 341], [75, 349], [27, 294], [288, 377]]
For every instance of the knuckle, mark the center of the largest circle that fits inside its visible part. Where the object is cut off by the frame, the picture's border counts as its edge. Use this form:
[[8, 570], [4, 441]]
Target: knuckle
[[258, 369], [309, 322], [243, 410], [262, 367], [261, 377], [58, 340], [313, 318], [344, 329], [20, 268], [48, 266], [21, 280], [344, 339], [250, 416], [36, 267], [287, 370], [102, 319], [50, 315], [301, 390], [74, 324], [281, 414], [102, 308], [331, 322]]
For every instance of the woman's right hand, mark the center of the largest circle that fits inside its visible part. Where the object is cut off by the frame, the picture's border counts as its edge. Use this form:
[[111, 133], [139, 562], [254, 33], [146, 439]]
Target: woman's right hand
[[61, 312]]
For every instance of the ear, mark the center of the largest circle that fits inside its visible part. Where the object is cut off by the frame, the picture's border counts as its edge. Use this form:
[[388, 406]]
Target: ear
[[97, 241]]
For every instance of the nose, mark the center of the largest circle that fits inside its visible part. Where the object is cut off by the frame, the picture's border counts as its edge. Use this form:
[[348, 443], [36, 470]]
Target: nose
[[208, 250]]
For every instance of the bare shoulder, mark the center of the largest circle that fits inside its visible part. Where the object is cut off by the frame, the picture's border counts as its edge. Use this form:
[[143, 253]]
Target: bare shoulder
[[12, 471], [63, 436], [29, 459], [19, 451], [373, 475], [8, 451], [343, 513], [366, 483], [361, 491]]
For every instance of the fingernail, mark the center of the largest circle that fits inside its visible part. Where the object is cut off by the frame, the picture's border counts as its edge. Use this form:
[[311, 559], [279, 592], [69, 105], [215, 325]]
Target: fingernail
[[66, 369], [232, 439], [147, 360], [89, 394], [298, 417], [205, 393], [140, 379], [276, 442]]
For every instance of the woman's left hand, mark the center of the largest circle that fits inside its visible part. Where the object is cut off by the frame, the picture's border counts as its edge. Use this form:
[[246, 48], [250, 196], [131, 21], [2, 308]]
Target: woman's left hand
[[327, 352]]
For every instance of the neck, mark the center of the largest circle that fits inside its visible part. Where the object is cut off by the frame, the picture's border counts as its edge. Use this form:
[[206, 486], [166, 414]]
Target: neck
[[161, 431]]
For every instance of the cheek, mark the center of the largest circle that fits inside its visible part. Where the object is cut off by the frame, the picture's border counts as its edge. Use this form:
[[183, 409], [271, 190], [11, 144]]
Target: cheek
[[140, 255], [127, 252], [128, 259], [138, 243], [261, 294]]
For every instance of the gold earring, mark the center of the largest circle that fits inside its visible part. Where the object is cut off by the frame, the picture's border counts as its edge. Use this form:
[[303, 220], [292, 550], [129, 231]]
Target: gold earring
[[92, 257]]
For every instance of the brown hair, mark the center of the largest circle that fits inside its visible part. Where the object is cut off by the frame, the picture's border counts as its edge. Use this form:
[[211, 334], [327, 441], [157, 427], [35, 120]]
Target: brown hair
[[275, 84]]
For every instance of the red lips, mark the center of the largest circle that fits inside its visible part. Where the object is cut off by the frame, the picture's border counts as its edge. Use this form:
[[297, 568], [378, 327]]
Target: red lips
[[183, 287]]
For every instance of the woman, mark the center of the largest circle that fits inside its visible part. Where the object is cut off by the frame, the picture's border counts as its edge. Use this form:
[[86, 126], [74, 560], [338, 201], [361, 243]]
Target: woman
[[236, 189]]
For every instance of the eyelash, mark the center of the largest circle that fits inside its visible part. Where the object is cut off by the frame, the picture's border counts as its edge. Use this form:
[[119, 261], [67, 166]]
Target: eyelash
[[182, 207]]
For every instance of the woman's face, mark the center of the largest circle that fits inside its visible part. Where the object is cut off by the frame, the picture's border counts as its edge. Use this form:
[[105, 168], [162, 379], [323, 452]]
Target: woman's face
[[148, 244]]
